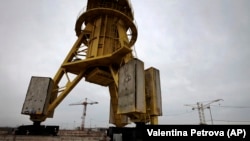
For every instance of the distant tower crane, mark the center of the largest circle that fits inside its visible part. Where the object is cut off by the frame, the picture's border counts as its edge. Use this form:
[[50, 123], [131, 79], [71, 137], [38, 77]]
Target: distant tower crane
[[85, 103], [200, 106]]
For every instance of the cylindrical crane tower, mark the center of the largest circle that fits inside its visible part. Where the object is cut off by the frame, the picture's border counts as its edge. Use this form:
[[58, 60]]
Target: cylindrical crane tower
[[106, 33], [106, 23]]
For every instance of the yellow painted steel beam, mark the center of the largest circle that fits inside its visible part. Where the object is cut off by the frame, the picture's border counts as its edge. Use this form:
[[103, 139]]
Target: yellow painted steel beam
[[88, 15], [69, 87], [55, 100], [154, 120], [116, 119]]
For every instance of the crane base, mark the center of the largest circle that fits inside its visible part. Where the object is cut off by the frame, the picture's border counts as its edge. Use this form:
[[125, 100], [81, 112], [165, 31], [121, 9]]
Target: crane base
[[125, 134], [37, 130]]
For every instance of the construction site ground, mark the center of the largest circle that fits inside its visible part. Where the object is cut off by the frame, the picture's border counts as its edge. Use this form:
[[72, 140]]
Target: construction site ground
[[7, 134]]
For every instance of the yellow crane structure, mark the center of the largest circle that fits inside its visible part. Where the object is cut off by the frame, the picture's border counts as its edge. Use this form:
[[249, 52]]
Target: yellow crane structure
[[85, 103], [102, 54], [200, 107]]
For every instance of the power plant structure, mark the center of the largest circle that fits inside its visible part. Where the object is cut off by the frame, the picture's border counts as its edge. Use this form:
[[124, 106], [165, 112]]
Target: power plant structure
[[103, 55]]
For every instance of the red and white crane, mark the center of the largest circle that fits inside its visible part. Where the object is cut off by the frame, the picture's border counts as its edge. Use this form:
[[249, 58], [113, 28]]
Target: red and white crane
[[85, 103]]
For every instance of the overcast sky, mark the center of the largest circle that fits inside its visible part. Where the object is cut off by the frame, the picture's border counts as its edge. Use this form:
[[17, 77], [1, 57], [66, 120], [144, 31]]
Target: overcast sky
[[201, 48]]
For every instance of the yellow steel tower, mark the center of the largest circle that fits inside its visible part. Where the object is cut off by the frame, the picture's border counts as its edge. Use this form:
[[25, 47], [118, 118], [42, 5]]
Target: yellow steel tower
[[106, 33]]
